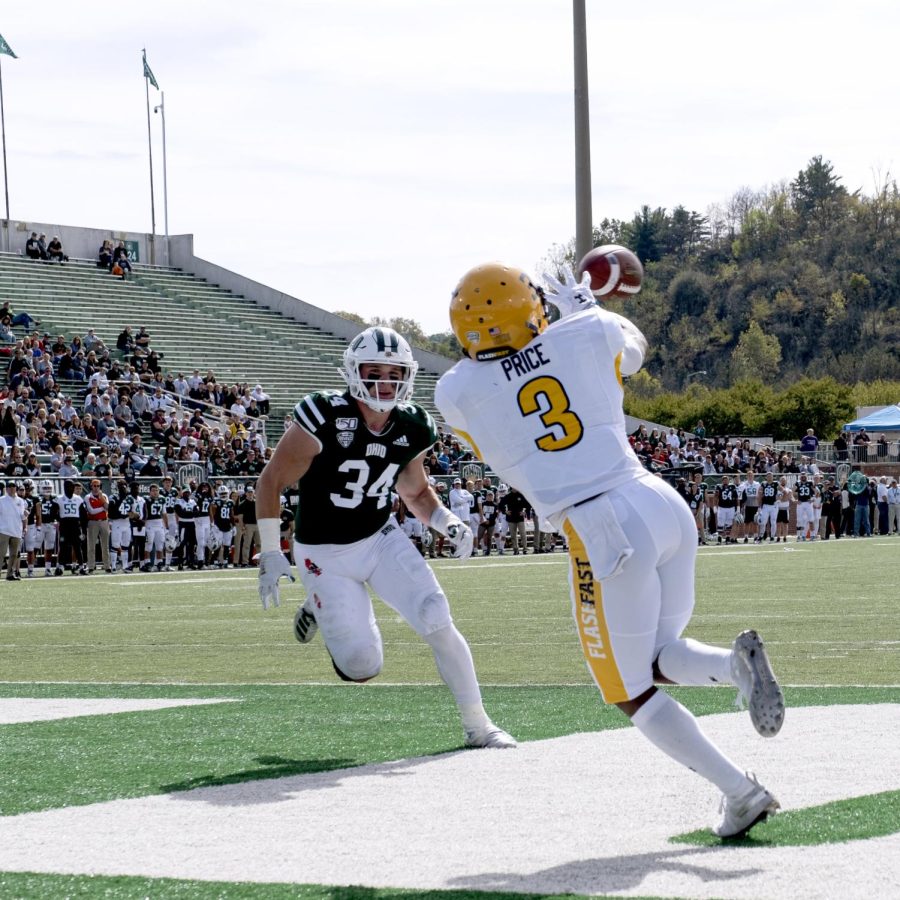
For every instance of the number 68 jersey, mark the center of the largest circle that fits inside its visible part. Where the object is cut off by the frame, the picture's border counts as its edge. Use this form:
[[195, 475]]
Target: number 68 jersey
[[549, 418]]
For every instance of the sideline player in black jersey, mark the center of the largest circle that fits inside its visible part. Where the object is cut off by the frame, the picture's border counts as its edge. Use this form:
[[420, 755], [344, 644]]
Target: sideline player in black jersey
[[33, 524], [119, 527], [768, 508], [349, 450], [726, 504], [223, 525], [806, 520], [49, 524]]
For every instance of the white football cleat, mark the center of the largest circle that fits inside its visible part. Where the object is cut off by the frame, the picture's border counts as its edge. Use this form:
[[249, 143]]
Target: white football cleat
[[740, 814], [490, 736], [305, 625], [752, 674]]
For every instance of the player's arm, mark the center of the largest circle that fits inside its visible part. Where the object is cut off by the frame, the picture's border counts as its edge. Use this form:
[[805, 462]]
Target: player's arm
[[289, 463], [421, 500], [415, 491]]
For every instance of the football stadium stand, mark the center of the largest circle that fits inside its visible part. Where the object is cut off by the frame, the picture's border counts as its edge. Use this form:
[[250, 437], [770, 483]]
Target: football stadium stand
[[193, 324]]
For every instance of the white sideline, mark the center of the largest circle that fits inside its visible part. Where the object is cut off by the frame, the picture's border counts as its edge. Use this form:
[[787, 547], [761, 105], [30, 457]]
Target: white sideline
[[15, 710]]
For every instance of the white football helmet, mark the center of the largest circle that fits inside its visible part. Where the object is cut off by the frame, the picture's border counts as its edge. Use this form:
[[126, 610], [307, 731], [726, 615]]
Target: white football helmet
[[381, 346], [212, 542], [171, 542], [222, 492], [46, 488]]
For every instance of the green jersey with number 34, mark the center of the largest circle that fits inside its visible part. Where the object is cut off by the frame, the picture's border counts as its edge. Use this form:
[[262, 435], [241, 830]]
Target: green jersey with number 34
[[345, 496]]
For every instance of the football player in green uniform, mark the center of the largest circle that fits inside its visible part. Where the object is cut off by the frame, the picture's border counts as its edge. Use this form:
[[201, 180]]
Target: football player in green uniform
[[349, 451]]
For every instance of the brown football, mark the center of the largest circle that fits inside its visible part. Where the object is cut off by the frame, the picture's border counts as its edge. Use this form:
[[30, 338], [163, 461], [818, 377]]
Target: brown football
[[615, 271]]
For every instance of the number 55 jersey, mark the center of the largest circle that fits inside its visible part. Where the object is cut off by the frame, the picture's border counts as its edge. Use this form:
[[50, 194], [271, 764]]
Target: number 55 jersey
[[549, 418]]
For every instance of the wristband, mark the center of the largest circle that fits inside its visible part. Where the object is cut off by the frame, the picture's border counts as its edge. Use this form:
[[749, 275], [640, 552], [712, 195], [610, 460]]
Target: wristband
[[442, 519], [269, 535]]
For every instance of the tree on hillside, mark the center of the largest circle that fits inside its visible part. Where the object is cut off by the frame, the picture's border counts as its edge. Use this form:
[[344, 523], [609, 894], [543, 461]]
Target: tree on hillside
[[816, 192], [757, 354]]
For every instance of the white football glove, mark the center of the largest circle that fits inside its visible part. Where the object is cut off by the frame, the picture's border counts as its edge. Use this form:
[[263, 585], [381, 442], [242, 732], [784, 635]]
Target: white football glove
[[272, 566], [570, 297], [462, 539]]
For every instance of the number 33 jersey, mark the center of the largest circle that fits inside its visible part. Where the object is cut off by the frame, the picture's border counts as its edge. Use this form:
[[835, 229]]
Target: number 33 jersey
[[549, 418], [345, 495]]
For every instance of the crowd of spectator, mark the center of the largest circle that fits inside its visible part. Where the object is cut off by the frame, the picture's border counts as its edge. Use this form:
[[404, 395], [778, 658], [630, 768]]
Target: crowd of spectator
[[660, 450], [86, 409]]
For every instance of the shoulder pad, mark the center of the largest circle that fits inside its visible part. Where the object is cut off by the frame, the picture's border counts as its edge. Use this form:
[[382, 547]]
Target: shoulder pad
[[317, 408], [412, 413]]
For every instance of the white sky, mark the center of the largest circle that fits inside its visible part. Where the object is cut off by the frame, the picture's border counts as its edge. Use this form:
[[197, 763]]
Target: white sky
[[363, 154]]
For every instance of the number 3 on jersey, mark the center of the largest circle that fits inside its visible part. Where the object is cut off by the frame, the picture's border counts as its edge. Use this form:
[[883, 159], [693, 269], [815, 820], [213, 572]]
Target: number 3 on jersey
[[547, 397]]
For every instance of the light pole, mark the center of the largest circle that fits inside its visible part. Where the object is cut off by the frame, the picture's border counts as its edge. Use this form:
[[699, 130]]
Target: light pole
[[584, 230], [161, 109], [687, 381]]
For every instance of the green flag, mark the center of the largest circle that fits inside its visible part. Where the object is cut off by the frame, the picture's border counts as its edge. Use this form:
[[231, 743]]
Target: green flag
[[5, 48], [148, 72]]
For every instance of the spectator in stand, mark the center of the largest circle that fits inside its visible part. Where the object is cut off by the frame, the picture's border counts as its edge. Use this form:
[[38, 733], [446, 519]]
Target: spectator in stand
[[840, 447], [262, 399], [181, 386], [6, 332], [125, 342], [22, 319], [881, 449], [105, 255], [55, 251], [809, 443], [141, 404], [142, 341], [120, 260], [32, 249], [861, 446], [42, 246]]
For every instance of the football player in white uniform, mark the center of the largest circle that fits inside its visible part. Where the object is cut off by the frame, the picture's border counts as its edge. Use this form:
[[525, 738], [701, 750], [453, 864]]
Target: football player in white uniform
[[348, 451], [542, 405]]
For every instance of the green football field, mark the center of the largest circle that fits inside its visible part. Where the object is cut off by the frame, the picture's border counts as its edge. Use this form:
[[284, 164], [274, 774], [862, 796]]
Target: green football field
[[827, 612]]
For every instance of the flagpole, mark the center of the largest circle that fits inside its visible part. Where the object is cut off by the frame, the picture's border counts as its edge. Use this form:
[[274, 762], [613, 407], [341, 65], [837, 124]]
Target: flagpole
[[5, 178], [150, 152]]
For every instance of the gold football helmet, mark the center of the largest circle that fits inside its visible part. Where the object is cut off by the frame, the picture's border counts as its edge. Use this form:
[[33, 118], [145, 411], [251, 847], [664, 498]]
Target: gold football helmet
[[495, 311]]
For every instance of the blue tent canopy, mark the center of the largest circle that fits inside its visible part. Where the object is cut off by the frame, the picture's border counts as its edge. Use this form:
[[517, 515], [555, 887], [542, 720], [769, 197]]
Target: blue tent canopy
[[887, 419]]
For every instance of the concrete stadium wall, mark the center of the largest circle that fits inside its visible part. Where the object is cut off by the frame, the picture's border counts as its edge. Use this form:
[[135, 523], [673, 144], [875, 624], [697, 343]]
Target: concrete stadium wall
[[81, 242]]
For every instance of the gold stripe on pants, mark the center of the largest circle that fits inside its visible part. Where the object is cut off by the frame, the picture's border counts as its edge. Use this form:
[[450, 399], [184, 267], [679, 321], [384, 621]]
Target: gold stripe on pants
[[590, 621]]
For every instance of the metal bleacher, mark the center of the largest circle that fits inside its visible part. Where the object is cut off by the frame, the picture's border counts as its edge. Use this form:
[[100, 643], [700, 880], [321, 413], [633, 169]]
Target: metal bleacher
[[193, 324]]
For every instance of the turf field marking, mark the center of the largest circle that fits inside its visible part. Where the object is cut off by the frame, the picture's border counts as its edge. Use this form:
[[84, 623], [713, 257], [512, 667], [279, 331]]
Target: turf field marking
[[16, 710]]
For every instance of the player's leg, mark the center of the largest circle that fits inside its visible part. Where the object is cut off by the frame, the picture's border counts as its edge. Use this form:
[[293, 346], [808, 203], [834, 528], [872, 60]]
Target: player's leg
[[621, 619], [342, 610], [407, 584]]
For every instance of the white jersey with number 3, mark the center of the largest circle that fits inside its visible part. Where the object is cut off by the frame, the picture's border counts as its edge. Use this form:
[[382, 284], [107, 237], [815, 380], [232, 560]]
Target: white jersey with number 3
[[549, 419]]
